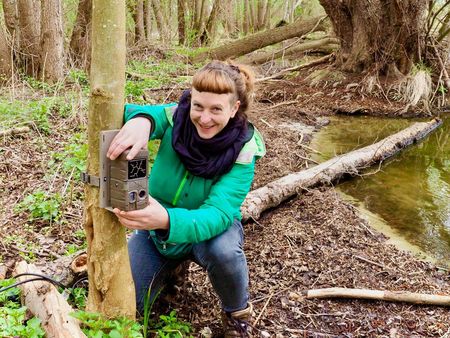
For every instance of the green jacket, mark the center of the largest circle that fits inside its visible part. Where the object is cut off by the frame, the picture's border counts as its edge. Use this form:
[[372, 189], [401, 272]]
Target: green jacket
[[198, 208]]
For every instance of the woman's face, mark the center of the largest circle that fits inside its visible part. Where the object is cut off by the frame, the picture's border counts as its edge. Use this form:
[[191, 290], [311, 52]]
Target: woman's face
[[211, 112]]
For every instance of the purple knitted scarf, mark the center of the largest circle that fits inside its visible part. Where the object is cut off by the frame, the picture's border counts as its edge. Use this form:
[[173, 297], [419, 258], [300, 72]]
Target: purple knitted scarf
[[207, 158]]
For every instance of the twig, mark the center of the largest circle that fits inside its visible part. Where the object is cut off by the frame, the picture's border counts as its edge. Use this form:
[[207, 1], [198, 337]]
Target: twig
[[307, 332], [263, 309], [370, 262], [286, 103], [266, 123], [293, 69]]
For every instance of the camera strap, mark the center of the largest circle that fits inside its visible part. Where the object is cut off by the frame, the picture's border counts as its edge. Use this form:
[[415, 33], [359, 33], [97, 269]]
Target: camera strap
[[90, 179]]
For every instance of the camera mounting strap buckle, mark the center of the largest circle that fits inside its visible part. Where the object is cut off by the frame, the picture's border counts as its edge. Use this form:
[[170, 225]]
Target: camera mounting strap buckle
[[90, 179]]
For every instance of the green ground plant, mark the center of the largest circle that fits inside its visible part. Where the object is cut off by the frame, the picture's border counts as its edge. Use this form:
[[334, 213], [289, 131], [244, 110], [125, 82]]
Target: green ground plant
[[74, 155], [41, 205], [13, 322]]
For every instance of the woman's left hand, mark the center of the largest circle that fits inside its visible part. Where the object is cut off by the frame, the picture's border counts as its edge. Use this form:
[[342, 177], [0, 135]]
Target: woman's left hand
[[153, 216]]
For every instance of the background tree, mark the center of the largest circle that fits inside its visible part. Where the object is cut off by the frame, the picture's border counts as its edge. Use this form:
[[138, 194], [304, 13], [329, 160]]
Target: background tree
[[381, 36], [29, 14], [5, 56], [52, 38], [111, 288], [80, 41]]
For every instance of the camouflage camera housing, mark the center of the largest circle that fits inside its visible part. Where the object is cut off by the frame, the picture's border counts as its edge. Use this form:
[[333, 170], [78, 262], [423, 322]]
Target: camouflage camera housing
[[129, 181]]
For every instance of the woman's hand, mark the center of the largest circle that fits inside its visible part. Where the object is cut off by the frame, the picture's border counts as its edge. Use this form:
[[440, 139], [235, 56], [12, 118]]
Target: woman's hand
[[134, 134], [152, 217]]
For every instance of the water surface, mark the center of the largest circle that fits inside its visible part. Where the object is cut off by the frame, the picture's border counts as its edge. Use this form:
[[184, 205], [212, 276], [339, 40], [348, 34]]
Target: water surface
[[411, 191]]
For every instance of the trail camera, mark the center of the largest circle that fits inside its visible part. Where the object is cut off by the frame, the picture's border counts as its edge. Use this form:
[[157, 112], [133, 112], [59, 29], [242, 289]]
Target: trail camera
[[123, 183]]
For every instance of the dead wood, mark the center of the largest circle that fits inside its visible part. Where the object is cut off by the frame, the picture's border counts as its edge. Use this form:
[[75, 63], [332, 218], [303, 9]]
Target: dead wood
[[67, 268], [390, 296], [316, 62], [351, 163], [14, 131], [325, 43], [262, 39], [3, 271], [47, 304]]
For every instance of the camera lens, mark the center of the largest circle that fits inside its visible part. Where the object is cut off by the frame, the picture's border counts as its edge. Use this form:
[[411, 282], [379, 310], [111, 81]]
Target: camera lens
[[142, 194], [132, 196]]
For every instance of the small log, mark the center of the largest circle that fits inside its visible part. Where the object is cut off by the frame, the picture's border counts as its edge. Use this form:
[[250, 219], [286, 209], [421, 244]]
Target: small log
[[308, 45], [67, 268], [14, 131], [47, 304], [390, 296], [272, 194]]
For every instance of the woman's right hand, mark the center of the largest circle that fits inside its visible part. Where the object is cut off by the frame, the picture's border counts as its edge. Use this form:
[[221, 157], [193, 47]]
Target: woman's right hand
[[134, 134]]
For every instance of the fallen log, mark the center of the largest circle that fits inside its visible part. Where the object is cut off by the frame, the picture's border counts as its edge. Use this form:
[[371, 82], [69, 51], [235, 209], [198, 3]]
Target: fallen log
[[274, 193], [327, 43], [390, 296], [261, 39], [14, 131], [47, 304]]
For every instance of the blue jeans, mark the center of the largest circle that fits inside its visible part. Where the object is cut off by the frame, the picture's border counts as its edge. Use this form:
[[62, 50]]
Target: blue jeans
[[222, 257]]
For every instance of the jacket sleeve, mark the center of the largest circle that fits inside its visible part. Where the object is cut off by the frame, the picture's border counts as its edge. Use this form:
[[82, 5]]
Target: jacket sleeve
[[155, 113], [218, 211]]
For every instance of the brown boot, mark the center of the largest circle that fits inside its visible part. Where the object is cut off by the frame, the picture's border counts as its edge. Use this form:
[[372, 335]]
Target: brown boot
[[237, 324]]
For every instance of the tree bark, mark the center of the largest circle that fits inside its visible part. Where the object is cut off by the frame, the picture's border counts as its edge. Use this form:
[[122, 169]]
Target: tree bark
[[382, 36], [390, 296], [279, 190], [181, 8], [52, 41], [148, 19], [29, 12], [6, 66], [209, 31], [10, 15], [111, 288], [308, 45], [80, 42], [46, 303], [261, 39], [160, 23], [138, 16]]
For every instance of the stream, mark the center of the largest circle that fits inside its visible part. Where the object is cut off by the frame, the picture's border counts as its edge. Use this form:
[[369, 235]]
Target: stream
[[408, 197]]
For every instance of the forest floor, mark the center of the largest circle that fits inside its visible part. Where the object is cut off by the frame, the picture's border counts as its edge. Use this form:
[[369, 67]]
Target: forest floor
[[315, 240]]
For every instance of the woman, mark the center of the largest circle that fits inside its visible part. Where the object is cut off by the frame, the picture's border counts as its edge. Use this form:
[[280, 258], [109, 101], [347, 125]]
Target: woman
[[200, 177]]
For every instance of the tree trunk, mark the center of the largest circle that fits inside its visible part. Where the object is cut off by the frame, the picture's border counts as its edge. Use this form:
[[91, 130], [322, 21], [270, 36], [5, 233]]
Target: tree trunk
[[327, 172], [29, 12], [228, 7], [80, 42], [261, 39], [6, 66], [160, 23], [138, 16], [382, 36], [181, 8], [52, 41], [209, 31], [46, 303], [148, 19], [111, 288], [246, 19], [10, 15]]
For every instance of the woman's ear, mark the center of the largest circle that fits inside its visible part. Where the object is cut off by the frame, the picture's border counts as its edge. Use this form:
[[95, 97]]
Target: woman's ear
[[235, 108]]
